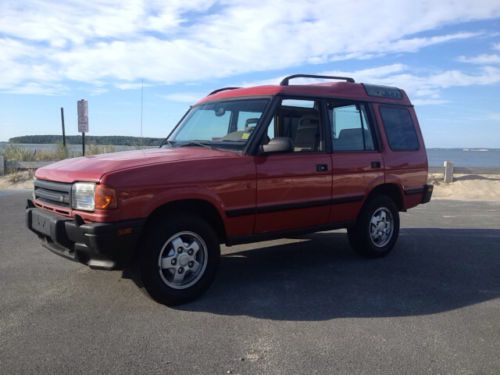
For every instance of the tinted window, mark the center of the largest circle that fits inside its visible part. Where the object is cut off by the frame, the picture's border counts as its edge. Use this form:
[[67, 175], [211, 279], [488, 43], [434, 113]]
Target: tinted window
[[350, 128], [399, 128]]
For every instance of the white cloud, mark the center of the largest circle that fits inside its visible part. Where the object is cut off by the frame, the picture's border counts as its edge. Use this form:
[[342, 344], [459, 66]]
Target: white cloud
[[423, 89], [422, 101], [415, 44], [496, 46], [482, 59], [363, 75], [132, 85], [120, 43]]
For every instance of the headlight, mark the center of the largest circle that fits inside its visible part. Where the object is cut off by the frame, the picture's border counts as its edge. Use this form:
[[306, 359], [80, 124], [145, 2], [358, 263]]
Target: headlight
[[88, 196], [82, 196]]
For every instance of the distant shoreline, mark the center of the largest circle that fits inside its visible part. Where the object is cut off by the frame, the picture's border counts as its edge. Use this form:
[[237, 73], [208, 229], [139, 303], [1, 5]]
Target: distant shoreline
[[149, 141], [111, 140]]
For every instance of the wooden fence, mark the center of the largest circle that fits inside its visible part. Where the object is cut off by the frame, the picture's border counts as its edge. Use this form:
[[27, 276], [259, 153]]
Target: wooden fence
[[13, 165]]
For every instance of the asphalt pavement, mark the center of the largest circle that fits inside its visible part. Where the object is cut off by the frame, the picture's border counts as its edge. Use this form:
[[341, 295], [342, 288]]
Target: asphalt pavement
[[304, 305]]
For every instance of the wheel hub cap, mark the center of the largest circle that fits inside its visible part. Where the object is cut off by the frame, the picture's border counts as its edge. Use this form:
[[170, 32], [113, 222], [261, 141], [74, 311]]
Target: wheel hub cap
[[381, 227], [182, 260]]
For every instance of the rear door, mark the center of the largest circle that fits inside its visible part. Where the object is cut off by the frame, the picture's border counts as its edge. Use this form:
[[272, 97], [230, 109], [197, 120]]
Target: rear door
[[294, 188], [357, 162]]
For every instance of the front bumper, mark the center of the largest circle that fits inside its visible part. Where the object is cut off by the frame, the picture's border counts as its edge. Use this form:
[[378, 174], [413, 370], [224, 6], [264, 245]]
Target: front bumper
[[99, 245]]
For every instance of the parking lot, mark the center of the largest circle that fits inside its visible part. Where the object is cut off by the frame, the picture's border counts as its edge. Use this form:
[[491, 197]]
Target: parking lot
[[302, 305]]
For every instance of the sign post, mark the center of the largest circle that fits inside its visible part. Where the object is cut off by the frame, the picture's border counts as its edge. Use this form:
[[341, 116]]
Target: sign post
[[63, 128], [83, 120]]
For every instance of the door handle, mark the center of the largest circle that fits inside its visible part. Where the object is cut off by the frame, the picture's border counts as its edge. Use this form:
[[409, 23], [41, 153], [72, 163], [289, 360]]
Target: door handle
[[376, 164], [321, 167]]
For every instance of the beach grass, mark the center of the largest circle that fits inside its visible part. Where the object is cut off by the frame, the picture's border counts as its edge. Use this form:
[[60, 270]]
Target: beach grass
[[18, 153]]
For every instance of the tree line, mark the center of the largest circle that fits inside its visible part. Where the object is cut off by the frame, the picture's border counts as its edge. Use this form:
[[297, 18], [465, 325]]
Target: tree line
[[116, 140]]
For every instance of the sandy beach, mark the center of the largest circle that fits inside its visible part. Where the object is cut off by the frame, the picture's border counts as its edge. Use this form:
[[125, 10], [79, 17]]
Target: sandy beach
[[19, 180], [471, 187]]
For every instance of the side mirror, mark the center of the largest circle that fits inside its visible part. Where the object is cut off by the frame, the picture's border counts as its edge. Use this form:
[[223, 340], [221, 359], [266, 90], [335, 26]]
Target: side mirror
[[280, 144]]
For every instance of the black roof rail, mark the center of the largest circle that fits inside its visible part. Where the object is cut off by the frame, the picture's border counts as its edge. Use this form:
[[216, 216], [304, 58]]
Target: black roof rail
[[286, 80], [223, 89]]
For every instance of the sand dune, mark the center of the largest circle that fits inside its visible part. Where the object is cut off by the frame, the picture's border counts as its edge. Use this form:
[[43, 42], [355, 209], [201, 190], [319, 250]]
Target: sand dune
[[467, 187]]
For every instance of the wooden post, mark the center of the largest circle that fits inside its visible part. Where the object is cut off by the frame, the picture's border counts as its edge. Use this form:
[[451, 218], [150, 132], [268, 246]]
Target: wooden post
[[448, 171], [2, 166]]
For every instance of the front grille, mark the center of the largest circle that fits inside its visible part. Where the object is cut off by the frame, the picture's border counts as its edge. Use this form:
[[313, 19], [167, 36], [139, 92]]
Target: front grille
[[56, 193]]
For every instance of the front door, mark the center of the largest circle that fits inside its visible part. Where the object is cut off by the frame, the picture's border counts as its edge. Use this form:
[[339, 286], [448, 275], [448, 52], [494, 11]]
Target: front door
[[294, 188]]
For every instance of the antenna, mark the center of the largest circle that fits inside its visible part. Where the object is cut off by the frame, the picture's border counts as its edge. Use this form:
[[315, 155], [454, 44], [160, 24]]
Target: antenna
[[142, 105]]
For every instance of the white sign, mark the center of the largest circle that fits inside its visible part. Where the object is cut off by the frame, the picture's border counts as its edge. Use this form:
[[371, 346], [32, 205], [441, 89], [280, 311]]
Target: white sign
[[83, 116]]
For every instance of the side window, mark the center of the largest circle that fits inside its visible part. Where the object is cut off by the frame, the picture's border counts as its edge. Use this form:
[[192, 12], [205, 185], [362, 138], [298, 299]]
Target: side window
[[299, 120], [350, 128], [399, 129]]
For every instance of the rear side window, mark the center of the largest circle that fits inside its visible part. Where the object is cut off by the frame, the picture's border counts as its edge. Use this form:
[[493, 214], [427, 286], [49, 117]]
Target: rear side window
[[350, 127], [399, 128]]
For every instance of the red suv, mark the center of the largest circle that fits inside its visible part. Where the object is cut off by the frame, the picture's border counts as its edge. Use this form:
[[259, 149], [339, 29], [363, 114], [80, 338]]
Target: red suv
[[242, 165]]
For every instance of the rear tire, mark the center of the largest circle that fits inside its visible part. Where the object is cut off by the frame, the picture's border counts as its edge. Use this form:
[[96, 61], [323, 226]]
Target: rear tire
[[377, 228], [180, 259]]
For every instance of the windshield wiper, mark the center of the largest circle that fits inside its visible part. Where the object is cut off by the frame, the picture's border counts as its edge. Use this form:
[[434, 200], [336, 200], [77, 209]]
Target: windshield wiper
[[167, 142], [194, 143]]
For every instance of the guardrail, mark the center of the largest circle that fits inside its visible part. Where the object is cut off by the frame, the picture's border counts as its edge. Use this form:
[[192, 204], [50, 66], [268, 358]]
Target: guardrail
[[14, 164], [9, 165], [466, 170], [450, 169]]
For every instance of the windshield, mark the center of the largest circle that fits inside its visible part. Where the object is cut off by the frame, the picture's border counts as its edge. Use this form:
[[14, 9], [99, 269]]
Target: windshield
[[222, 124]]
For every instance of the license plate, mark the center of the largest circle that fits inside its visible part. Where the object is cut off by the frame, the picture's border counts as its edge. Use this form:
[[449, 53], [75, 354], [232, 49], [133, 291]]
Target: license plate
[[40, 223]]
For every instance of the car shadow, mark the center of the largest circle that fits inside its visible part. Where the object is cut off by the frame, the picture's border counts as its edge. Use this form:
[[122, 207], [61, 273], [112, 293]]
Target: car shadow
[[319, 277]]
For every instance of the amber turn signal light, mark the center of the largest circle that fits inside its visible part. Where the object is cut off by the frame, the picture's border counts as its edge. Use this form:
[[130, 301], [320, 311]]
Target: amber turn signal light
[[105, 197]]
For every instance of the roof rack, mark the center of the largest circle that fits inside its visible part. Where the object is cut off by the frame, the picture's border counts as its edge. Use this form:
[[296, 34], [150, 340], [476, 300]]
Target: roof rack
[[223, 89], [286, 80]]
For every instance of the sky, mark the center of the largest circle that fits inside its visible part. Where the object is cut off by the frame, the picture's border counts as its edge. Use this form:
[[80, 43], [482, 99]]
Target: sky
[[445, 54]]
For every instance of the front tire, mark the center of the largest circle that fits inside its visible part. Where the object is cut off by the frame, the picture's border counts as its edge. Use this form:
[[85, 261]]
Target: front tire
[[180, 259], [377, 228]]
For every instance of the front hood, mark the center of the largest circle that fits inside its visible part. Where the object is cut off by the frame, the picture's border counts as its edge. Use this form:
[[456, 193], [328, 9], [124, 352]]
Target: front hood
[[92, 168]]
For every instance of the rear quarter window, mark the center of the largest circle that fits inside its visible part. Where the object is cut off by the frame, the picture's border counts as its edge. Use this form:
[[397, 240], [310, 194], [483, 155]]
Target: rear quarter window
[[399, 129]]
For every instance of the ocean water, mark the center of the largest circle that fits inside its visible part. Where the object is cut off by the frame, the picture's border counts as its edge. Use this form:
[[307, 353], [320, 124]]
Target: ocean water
[[485, 158]]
